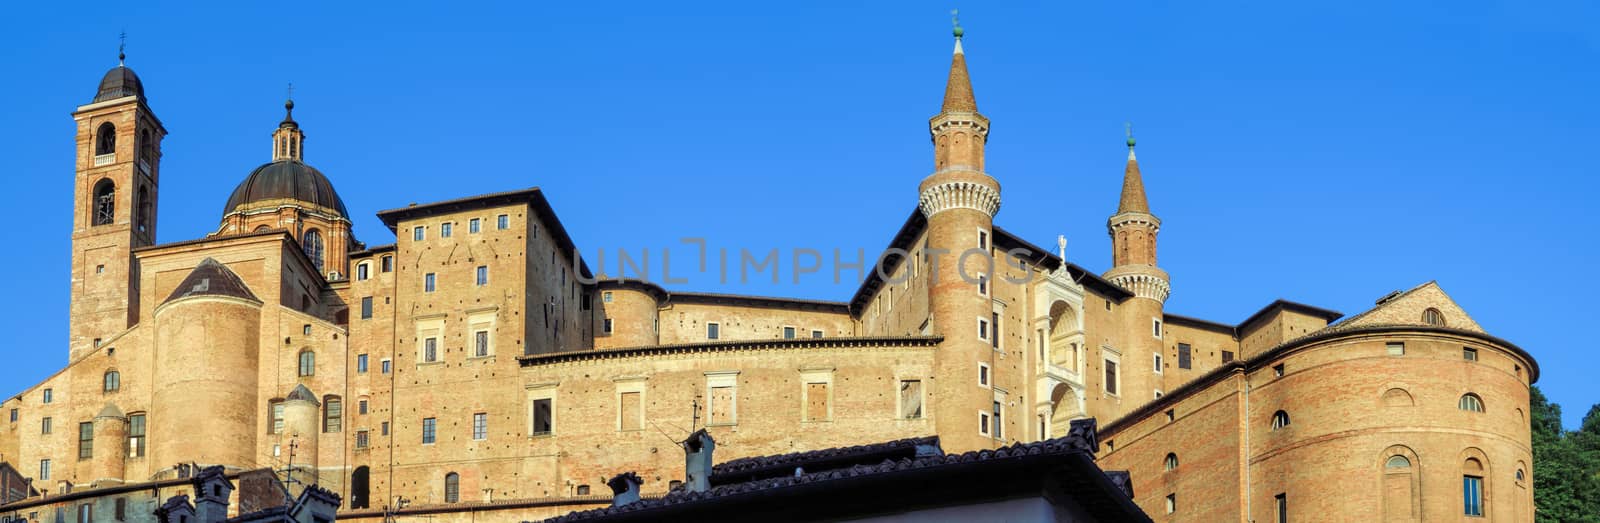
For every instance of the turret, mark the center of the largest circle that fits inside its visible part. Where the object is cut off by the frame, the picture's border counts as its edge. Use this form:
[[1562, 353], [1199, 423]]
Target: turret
[[301, 413], [206, 362], [1133, 238], [110, 444]]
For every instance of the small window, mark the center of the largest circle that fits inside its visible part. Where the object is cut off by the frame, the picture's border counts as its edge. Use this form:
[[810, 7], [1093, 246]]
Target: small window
[[1155, 327], [1172, 503], [502, 222], [366, 307], [1280, 419], [713, 330], [1280, 504], [1396, 348], [483, 275], [480, 343], [1184, 355], [605, 296], [788, 333], [1171, 462], [480, 426], [983, 374], [306, 329], [606, 326], [445, 229], [1111, 377], [983, 329], [452, 488], [474, 225], [387, 263], [428, 282], [136, 431], [1520, 475], [14, 414], [983, 239], [1277, 370], [430, 350], [983, 285], [816, 334], [1469, 354], [1158, 363], [46, 425], [983, 423], [384, 365], [49, 395], [910, 399], [383, 428], [362, 439], [1171, 414], [543, 418], [1433, 317], [1470, 402], [361, 407], [308, 363], [44, 469], [113, 381], [1227, 356], [332, 415], [997, 428], [275, 411], [417, 233], [1472, 495], [363, 271], [428, 433]]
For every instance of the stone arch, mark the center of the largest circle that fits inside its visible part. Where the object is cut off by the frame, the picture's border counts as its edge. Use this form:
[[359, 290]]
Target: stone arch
[[143, 209], [103, 208], [1063, 345], [1063, 409], [360, 487], [1400, 476], [1475, 466], [105, 139], [1397, 397]]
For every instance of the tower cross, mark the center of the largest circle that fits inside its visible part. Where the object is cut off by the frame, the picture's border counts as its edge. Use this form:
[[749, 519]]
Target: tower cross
[[122, 47]]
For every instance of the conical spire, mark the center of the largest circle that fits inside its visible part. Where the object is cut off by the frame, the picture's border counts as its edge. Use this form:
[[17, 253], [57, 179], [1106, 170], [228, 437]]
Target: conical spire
[[958, 90], [1133, 199]]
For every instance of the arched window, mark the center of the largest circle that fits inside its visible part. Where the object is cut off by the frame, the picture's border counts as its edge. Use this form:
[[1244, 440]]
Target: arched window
[[332, 414], [113, 381], [1280, 419], [105, 139], [1433, 317], [1397, 462], [1520, 475], [1472, 487], [308, 363], [142, 220], [312, 243], [360, 484], [452, 487], [105, 202], [1470, 402], [1171, 462], [263, 227], [147, 146], [1396, 397]]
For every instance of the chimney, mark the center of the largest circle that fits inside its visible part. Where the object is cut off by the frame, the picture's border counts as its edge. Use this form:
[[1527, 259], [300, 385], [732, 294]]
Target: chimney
[[211, 492], [624, 488], [176, 510], [697, 461]]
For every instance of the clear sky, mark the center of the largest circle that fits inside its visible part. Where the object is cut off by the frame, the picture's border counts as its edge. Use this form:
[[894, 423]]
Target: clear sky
[[1326, 153]]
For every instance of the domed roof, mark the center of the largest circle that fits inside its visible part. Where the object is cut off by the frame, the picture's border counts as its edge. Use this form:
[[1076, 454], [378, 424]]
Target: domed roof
[[117, 83], [286, 180], [212, 278]]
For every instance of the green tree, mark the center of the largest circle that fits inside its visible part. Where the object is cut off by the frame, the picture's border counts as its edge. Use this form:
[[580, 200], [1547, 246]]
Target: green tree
[[1566, 465]]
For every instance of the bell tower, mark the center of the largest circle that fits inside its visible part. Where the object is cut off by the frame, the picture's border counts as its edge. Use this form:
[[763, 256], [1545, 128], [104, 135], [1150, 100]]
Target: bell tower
[[114, 206]]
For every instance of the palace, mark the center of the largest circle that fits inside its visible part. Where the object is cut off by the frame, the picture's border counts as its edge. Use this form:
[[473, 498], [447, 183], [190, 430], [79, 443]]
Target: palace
[[476, 368]]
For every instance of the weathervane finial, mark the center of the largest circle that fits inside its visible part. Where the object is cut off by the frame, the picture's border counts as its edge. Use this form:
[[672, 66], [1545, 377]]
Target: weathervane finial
[[955, 21], [122, 47], [1129, 126]]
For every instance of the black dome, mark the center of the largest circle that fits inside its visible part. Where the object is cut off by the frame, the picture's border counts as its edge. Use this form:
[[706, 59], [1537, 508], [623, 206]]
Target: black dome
[[286, 179], [119, 82]]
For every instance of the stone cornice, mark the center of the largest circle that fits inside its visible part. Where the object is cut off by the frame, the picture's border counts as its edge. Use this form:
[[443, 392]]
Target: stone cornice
[[723, 346], [960, 194], [945, 121]]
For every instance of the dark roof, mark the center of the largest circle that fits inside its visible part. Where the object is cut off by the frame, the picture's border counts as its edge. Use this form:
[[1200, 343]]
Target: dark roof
[[1319, 312], [532, 196], [1061, 468], [212, 278], [117, 83], [761, 467], [1005, 240], [681, 348], [663, 296], [301, 393], [287, 180]]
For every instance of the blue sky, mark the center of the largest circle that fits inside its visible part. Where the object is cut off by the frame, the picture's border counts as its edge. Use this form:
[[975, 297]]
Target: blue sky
[[1326, 153]]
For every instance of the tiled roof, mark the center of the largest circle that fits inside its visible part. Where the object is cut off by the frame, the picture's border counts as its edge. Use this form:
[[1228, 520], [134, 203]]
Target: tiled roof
[[819, 460], [212, 278]]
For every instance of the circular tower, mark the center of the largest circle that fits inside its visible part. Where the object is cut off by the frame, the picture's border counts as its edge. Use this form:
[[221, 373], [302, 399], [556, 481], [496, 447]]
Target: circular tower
[[110, 444], [631, 306], [301, 417], [206, 353]]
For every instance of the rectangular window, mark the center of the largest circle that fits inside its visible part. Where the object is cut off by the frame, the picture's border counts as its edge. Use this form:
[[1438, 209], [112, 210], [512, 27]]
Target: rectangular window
[[983, 285], [276, 409], [428, 433], [1227, 356], [996, 419], [983, 374], [1467, 353], [1396, 349], [361, 364], [430, 350], [361, 272], [428, 282], [502, 222], [712, 331], [480, 343], [86, 513], [816, 334], [910, 399], [1280, 505], [49, 395], [788, 333], [383, 428], [1155, 327], [14, 414], [480, 426], [983, 423], [543, 417], [586, 301], [44, 425], [136, 430], [483, 275], [606, 326], [1172, 503], [384, 365], [361, 439], [983, 240], [1158, 363], [474, 225], [366, 307], [1472, 495], [388, 263], [994, 322], [1111, 377], [722, 405], [445, 229], [605, 296], [1183, 355], [816, 402], [332, 415], [1277, 370], [983, 329], [361, 407], [44, 470], [85, 440], [630, 411], [416, 233]]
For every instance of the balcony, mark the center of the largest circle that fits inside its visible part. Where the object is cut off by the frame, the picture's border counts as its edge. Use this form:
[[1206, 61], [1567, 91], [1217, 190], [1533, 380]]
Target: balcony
[[101, 160]]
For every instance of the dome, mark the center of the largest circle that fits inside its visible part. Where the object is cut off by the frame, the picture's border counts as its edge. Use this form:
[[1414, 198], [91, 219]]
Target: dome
[[117, 83], [286, 180]]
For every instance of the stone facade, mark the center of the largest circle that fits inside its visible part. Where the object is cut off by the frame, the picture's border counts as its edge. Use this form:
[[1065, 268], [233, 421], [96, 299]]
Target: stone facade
[[476, 369]]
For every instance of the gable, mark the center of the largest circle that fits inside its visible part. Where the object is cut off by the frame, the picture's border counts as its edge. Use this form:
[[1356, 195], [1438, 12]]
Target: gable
[[1409, 307]]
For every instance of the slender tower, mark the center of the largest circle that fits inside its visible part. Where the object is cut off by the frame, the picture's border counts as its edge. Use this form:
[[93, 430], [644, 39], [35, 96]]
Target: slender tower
[[114, 206], [1133, 242], [960, 200]]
